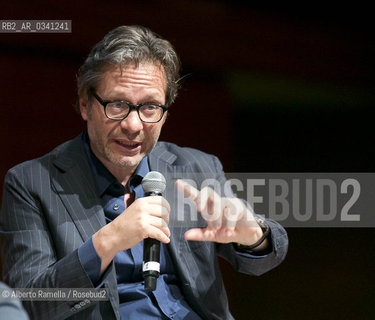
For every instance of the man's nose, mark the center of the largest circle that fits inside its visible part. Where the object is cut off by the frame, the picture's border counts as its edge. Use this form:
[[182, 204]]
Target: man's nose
[[132, 123]]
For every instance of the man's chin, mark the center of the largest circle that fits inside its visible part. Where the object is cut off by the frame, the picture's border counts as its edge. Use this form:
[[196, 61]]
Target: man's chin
[[127, 162]]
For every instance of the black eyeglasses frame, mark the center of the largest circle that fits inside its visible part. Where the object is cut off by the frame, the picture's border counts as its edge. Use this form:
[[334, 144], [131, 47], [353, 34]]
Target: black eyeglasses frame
[[104, 103]]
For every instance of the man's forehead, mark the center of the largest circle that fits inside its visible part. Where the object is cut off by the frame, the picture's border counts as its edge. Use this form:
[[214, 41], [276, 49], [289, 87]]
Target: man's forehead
[[147, 69], [142, 72]]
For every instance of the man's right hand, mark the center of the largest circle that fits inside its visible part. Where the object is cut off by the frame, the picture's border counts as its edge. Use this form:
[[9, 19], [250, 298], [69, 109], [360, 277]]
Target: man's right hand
[[146, 217]]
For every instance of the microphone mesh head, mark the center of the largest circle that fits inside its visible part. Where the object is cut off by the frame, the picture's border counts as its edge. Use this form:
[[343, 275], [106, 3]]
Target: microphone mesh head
[[153, 182]]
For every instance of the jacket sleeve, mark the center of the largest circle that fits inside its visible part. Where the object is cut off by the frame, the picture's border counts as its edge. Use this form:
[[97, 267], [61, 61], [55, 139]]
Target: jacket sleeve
[[29, 253]]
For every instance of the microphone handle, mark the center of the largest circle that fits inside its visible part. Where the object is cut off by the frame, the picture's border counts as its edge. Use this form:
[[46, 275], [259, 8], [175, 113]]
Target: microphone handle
[[151, 265], [151, 258]]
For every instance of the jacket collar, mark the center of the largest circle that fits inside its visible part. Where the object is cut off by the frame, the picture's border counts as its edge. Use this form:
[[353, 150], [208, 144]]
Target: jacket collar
[[161, 157]]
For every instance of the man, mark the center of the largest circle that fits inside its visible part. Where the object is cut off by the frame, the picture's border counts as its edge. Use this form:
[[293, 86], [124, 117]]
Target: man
[[77, 217]]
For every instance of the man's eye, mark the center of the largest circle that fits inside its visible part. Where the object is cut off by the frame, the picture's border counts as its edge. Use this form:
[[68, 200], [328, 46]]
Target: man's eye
[[150, 107], [118, 105]]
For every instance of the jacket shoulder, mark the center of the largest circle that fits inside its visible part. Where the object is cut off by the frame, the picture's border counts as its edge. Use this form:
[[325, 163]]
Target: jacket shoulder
[[185, 156], [65, 149]]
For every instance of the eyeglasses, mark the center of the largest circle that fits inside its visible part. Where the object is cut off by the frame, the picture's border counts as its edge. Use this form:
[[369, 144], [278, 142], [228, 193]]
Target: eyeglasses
[[119, 110]]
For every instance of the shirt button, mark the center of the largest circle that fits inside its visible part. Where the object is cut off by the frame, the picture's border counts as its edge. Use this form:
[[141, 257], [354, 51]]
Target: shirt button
[[116, 207]]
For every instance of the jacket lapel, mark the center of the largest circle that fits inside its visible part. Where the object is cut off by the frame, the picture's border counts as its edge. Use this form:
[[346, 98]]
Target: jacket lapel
[[164, 161], [73, 181]]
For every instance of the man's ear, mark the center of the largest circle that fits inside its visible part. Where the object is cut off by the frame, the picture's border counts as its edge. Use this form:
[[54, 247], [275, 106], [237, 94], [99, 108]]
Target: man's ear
[[84, 108], [165, 117]]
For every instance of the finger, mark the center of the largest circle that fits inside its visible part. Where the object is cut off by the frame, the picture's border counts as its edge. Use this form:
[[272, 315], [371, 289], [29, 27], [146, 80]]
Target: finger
[[205, 200], [158, 211], [198, 234], [199, 198], [160, 224], [232, 212], [187, 190], [158, 234], [165, 204], [155, 200], [209, 204], [154, 205], [228, 225]]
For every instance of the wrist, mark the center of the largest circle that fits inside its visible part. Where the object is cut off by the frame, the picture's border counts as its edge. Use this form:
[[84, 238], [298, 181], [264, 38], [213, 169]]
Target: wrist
[[261, 242], [105, 245]]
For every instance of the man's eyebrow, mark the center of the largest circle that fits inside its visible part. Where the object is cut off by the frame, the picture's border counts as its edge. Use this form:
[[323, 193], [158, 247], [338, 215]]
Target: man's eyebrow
[[149, 98], [121, 97]]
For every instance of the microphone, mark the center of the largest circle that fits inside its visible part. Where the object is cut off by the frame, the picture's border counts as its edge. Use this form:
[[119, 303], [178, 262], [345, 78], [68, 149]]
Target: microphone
[[153, 184]]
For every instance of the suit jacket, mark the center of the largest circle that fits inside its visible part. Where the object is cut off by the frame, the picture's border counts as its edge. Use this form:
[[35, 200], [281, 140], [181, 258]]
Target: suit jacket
[[51, 207]]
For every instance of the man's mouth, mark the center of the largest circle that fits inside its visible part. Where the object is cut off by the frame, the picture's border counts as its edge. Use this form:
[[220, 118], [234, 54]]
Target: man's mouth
[[129, 145]]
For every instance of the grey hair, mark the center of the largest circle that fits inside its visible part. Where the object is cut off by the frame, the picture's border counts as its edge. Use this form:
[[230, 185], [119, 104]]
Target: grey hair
[[129, 45]]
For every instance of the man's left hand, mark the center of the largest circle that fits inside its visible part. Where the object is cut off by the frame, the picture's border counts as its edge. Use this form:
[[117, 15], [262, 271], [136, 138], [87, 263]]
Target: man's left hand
[[228, 219]]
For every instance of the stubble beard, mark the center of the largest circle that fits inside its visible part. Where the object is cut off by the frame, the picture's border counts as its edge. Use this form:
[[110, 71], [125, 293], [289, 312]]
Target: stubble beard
[[125, 162], [120, 161]]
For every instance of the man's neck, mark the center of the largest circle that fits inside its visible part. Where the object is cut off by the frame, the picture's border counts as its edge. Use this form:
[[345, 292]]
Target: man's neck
[[122, 174]]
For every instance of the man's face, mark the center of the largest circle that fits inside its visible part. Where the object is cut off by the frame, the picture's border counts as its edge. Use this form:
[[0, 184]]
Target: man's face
[[121, 145]]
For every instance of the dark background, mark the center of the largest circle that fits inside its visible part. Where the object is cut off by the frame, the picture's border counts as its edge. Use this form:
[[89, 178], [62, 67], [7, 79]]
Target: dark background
[[266, 89]]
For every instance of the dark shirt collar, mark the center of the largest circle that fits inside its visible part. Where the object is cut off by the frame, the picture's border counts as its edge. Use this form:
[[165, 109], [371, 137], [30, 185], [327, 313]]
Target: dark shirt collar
[[105, 181]]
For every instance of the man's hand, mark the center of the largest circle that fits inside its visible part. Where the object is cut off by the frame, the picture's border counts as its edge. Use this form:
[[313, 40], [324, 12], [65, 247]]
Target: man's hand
[[228, 219], [146, 217]]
